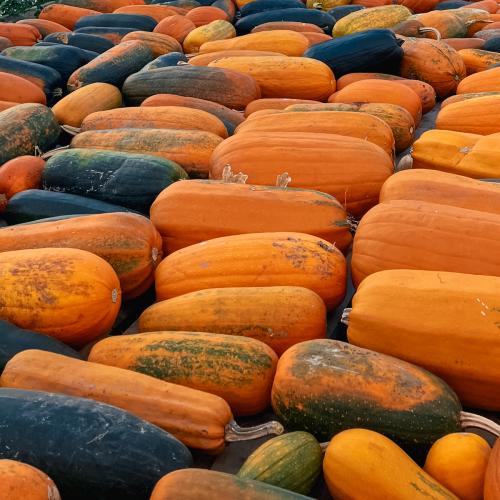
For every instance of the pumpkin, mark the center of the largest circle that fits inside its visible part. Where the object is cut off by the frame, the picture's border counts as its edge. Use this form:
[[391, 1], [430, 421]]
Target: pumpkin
[[66, 15], [484, 81], [157, 12], [464, 43], [206, 59], [238, 369], [359, 462], [19, 174], [176, 26], [476, 60], [158, 43], [20, 34], [17, 89], [208, 33], [492, 477], [433, 299], [463, 97], [205, 15], [287, 25], [458, 461], [44, 26], [20, 480], [274, 103]]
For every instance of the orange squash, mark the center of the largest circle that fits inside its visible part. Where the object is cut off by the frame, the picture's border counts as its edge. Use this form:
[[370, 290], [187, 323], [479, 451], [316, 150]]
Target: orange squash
[[314, 38], [206, 59], [157, 12], [446, 22], [71, 295], [288, 25], [65, 14], [492, 477], [478, 60], [279, 316], [176, 26], [484, 81], [177, 211], [419, 6], [16, 89], [44, 26], [205, 15], [242, 260], [208, 33], [464, 43], [20, 480], [274, 103], [20, 34], [488, 5], [464, 97], [7, 104], [20, 174], [158, 43]]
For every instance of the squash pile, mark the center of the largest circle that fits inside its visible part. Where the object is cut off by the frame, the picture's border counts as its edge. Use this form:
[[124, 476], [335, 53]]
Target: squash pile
[[238, 219]]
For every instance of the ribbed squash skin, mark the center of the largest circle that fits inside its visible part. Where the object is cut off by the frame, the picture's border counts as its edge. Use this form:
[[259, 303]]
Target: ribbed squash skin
[[206, 484], [19, 174], [167, 117], [238, 369], [195, 418], [20, 34], [229, 88], [208, 33], [94, 43], [474, 116], [20, 480], [112, 66], [294, 77], [291, 461], [358, 464], [350, 169], [157, 12], [158, 43], [492, 477], [44, 26], [177, 211], [464, 97], [443, 188], [361, 125], [312, 391], [114, 35], [274, 103], [73, 108], [240, 260], [206, 59], [128, 242], [19, 90], [65, 15], [69, 294], [476, 60], [287, 25], [279, 316], [431, 300], [484, 81], [192, 149]]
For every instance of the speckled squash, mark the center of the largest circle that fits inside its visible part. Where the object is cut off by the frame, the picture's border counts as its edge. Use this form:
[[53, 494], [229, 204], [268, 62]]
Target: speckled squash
[[476, 60], [66, 15], [274, 103], [238, 369], [464, 97], [492, 477], [19, 174], [208, 33], [447, 22], [206, 59], [484, 81], [176, 26], [132, 21], [158, 43]]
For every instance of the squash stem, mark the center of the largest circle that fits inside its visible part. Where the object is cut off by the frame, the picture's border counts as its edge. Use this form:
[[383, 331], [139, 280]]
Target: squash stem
[[236, 433], [431, 30], [471, 420], [324, 446]]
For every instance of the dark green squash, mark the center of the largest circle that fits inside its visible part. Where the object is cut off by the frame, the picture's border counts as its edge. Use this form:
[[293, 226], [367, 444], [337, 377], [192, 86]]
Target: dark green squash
[[170, 59], [258, 6], [136, 21], [91, 450], [93, 43], [112, 34]]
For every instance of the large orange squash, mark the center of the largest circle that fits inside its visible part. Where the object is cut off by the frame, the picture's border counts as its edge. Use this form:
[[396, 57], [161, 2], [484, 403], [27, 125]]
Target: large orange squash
[[402, 234], [20, 34], [348, 168], [158, 43], [464, 97], [492, 477], [69, 294], [206, 14], [16, 89], [476, 60], [419, 6], [484, 81], [66, 15], [44, 26], [157, 12], [208, 33], [245, 260], [176, 26], [446, 22], [288, 25], [274, 103], [19, 174], [193, 211], [206, 59]]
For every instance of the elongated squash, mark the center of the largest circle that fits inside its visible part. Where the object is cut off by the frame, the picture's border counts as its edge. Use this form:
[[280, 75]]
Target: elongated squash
[[19, 90], [176, 26], [21, 173], [94, 43], [275, 103], [158, 43], [20, 34], [477, 60], [238, 369], [208, 33], [44, 26], [492, 477], [453, 311], [157, 12], [206, 59], [484, 81], [65, 15], [114, 35], [135, 21]]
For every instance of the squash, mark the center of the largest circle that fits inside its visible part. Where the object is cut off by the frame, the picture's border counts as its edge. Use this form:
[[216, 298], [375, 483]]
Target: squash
[[128, 242], [258, 6], [170, 59], [104, 6], [19, 174], [192, 150], [292, 77], [20, 34], [161, 117], [487, 34], [463, 97], [137, 21], [19, 90], [208, 33], [443, 188], [206, 59], [312, 391], [93, 43], [44, 26], [158, 43], [112, 66], [223, 86], [206, 14], [274, 103], [484, 81], [238, 369], [298, 260], [286, 25], [492, 477], [20, 480], [433, 62], [177, 210], [420, 6], [75, 107], [66, 15], [476, 60], [206, 484], [492, 45], [360, 463], [292, 462], [175, 26], [350, 169], [433, 299], [84, 434], [447, 22], [114, 35], [316, 38], [157, 12], [458, 461], [279, 316], [464, 43], [71, 295]]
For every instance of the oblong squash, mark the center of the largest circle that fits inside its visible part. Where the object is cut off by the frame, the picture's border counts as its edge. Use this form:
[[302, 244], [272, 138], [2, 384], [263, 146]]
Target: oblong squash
[[484, 81], [205, 14], [44, 26], [426, 302], [157, 12], [19, 90], [66, 15], [176, 26], [208, 33], [206, 59], [464, 97], [492, 477], [71, 295], [476, 60], [20, 34], [287, 25], [21, 173], [298, 260], [158, 43], [275, 103], [238, 369]]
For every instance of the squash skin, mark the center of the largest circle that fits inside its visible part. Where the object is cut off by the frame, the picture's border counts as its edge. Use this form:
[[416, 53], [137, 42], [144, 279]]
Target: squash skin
[[20, 90], [19, 174], [477, 60], [46, 274], [136, 21], [94, 43], [206, 59], [278, 316], [206, 14], [492, 477], [114, 35], [473, 375], [66, 15], [208, 33], [176, 26], [358, 462], [25, 433], [287, 25], [258, 6], [44, 26], [464, 43], [314, 212], [484, 81], [158, 43], [318, 265], [20, 480], [170, 59], [157, 12], [104, 6], [128, 242], [196, 418], [20, 34], [274, 103], [464, 97], [238, 369]]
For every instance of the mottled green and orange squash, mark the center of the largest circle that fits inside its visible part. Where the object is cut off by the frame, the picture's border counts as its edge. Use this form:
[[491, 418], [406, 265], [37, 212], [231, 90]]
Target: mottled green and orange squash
[[176, 26], [279, 316], [161, 117], [447, 23], [19, 174], [288, 25], [360, 463], [158, 43], [206, 59], [243, 260], [484, 81], [206, 14], [19, 90], [275, 103], [71, 295], [157, 12], [208, 33], [442, 188], [20, 480], [463, 97], [476, 60], [20, 34], [128, 242], [176, 212], [44, 26], [313, 391], [348, 168], [293, 77], [238, 369], [451, 311], [492, 477], [72, 109], [65, 15], [346, 123], [191, 149]]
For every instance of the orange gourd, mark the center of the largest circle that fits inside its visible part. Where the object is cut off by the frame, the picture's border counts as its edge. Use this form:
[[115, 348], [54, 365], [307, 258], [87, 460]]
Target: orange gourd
[[16, 89], [213, 32], [446, 22], [157, 12], [419, 6], [66, 15], [205, 15], [492, 477], [20, 34], [20, 174], [464, 97], [176, 26], [158, 43], [206, 59], [315, 38], [484, 81], [44, 26]]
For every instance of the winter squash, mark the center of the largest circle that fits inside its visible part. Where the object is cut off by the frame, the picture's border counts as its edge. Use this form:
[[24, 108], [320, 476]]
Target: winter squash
[[287, 25], [492, 477], [447, 22], [166, 60], [463, 97], [20, 34], [19, 174], [157, 12], [316, 38], [104, 6], [205, 15], [419, 6], [176, 26], [44, 26], [94, 43], [66, 15], [464, 43], [206, 59], [114, 35], [17, 89], [274, 103], [476, 60], [208, 33], [158, 43], [137, 22], [484, 81]]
